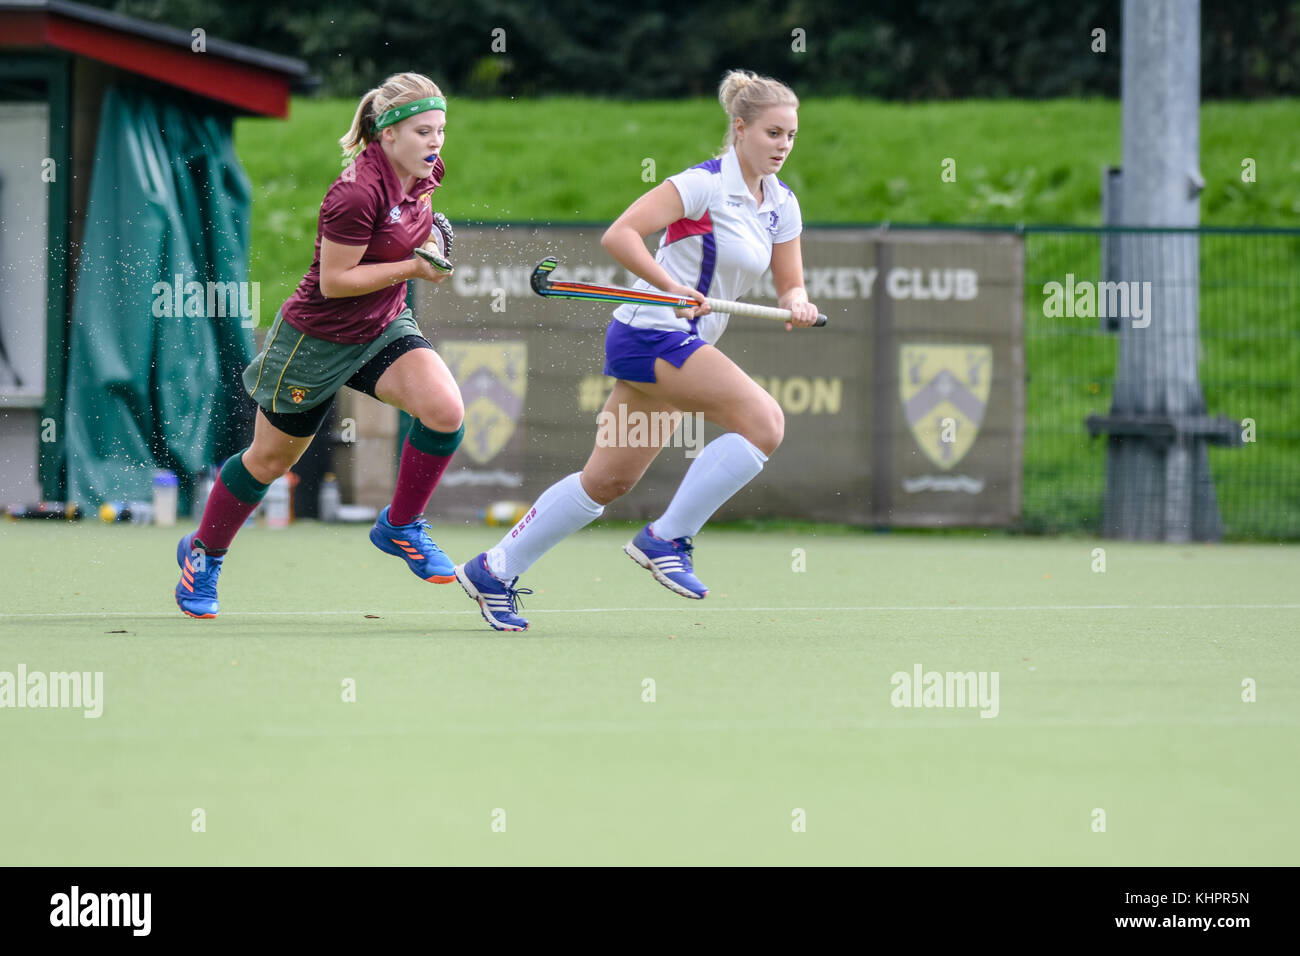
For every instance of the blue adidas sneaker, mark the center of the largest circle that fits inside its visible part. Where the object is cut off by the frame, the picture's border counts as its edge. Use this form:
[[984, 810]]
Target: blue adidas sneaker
[[668, 561], [412, 543], [496, 599], [196, 593]]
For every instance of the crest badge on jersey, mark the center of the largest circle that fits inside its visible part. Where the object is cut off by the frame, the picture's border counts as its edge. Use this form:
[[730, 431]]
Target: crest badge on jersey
[[493, 379], [297, 394], [395, 214], [945, 391], [771, 223]]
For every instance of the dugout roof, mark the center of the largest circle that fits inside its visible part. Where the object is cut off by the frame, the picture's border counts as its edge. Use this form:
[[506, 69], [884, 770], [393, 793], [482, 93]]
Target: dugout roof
[[250, 81]]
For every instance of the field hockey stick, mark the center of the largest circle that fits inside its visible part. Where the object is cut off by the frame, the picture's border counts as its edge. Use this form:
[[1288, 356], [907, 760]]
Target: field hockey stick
[[548, 288]]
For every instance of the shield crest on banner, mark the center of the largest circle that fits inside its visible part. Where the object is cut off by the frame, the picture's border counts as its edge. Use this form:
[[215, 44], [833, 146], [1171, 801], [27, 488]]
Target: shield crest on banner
[[944, 391], [493, 377]]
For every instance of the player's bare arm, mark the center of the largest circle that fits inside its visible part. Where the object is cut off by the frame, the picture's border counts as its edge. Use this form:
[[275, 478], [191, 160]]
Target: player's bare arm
[[341, 273], [624, 240], [787, 277]]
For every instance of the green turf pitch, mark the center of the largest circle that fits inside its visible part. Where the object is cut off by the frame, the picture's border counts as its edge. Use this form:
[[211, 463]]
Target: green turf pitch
[[1119, 690]]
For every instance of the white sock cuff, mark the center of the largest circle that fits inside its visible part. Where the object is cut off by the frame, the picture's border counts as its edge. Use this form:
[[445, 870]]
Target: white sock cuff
[[753, 449], [726, 465], [738, 456], [559, 511], [580, 496]]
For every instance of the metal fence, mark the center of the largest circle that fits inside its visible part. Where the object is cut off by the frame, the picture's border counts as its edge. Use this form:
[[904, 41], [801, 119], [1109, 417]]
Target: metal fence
[[1246, 352], [1248, 357]]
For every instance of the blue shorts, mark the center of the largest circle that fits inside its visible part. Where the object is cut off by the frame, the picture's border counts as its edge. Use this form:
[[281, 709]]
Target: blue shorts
[[630, 353]]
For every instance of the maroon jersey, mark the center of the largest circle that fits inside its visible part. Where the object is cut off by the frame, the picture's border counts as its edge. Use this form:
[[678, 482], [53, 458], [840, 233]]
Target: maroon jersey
[[365, 206]]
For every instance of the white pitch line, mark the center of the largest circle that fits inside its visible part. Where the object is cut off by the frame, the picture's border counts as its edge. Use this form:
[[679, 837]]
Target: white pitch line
[[689, 610], [915, 724]]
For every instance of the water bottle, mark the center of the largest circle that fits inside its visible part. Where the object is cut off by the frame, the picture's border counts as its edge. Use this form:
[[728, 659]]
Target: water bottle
[[166, 487], [329, 498], [277, 503]]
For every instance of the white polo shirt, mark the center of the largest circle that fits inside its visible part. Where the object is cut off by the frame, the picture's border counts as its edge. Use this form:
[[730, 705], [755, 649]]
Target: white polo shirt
[[722, 245]]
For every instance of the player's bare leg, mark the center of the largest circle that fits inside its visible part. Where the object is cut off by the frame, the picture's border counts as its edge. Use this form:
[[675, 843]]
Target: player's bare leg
[[711, 384], [614, 467], [420, 384], [273, 451]]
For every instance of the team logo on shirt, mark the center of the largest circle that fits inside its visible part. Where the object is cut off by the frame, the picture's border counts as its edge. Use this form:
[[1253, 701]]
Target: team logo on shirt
[[395, 214], [771, 223], [493, 378], [297, 393], [944, 390]]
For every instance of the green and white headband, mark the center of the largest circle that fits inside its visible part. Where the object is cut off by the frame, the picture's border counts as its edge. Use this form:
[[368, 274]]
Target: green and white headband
[[397, 113]]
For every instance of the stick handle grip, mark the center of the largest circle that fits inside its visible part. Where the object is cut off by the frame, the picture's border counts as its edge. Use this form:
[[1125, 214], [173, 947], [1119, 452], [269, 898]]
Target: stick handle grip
[[437, 261], [751, 310]]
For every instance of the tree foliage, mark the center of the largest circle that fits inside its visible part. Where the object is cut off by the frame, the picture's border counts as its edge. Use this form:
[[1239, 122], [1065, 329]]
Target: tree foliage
[[889, 49]]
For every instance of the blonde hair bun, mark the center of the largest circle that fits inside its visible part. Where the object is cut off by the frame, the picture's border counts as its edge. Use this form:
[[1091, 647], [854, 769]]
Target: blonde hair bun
[[732, 84], [744, 95]]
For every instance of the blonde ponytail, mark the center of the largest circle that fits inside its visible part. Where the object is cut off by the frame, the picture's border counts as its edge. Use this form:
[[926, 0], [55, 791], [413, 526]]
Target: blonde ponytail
[[398, 90]]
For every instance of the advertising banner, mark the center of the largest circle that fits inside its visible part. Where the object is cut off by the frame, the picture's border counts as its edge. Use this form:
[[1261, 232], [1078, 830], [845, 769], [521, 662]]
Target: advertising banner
[[907, 409]]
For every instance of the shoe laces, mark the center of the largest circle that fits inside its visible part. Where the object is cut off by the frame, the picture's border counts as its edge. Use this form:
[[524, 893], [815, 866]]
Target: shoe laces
[[512, 595], [684, 545], [420, 528]]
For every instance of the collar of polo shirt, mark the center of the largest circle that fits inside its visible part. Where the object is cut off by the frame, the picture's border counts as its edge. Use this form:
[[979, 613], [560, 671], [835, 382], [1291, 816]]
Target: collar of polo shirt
[[398, 113], [733, 180]]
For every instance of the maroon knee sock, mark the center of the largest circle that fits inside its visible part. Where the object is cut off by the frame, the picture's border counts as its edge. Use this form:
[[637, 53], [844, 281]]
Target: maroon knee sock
[[222, 518], [417, 476]]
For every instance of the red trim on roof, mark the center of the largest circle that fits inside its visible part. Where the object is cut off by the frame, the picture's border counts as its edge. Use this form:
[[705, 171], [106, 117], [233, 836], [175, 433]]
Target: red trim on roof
[[22, 29], [249, 89]]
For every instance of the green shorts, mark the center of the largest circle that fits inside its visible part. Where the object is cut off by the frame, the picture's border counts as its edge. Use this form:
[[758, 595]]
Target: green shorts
[[296, 371]]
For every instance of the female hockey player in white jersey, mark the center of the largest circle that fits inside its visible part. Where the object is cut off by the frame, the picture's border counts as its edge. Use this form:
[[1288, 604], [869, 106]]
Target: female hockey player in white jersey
[[725, 222]]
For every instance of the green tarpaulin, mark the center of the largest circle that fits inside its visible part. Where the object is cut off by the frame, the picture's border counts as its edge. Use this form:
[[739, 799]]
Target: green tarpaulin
[[151, 385]]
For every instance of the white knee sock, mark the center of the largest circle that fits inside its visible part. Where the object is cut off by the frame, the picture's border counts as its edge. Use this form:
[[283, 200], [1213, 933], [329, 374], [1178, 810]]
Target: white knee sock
[[726, 465], [562, 509]]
